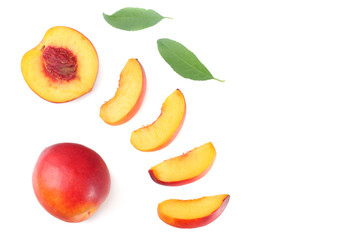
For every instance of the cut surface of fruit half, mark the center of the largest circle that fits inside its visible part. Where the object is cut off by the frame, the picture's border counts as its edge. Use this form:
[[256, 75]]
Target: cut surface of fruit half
[[62, 67]]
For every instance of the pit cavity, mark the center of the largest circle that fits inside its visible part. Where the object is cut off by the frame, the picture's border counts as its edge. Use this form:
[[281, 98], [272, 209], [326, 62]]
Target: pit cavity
[[59, 63]]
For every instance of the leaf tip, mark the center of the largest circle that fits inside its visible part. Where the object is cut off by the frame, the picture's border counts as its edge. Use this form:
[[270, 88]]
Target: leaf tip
[[105, 16]]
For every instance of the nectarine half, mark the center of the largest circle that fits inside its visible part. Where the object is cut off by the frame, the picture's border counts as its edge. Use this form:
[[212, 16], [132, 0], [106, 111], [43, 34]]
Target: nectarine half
[[128, 97], [62, 67], [161, 132], [185, 168], [70, 181], [192, 213]]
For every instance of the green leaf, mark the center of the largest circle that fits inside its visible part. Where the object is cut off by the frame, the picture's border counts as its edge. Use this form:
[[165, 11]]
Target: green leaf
[[183, 61], [133, 19]]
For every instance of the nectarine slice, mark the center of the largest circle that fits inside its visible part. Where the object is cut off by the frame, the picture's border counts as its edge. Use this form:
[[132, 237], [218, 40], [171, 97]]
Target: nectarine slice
[[128, 97], [192, 213], [185, 168], [62, 67], [161, 132]]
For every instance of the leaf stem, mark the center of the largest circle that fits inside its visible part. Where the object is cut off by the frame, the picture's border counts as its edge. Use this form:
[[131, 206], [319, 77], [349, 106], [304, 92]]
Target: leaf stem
[[219, 80]]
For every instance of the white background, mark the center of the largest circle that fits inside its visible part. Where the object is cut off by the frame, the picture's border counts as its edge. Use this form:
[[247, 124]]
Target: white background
[[285, 123]]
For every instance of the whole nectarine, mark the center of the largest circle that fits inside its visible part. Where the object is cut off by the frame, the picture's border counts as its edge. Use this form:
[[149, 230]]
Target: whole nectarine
[[70, 181]]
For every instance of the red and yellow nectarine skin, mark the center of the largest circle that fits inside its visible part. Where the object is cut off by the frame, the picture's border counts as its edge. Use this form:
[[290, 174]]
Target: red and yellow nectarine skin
[[185, 168], [70, 181], [128, 97], [192, 213], [165, 128], [62, 67]]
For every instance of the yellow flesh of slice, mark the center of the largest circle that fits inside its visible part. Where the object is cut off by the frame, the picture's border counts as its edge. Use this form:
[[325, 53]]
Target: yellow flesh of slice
[[186, 166], [191, 209]]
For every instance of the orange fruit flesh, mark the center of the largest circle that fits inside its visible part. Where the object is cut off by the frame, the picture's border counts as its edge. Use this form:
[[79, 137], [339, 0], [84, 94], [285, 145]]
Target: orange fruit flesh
[[126, 96], [191, 209], [186, 166], [160, 132], [36, 75]]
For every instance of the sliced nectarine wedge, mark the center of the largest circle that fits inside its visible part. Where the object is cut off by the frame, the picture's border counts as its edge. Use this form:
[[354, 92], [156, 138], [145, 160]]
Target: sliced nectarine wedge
[[192, 213], [62, 67], [128, 97], [185, 168], [161, 132]]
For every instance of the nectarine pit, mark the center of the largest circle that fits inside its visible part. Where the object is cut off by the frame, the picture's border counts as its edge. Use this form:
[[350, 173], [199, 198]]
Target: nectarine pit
[[60, 64]]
